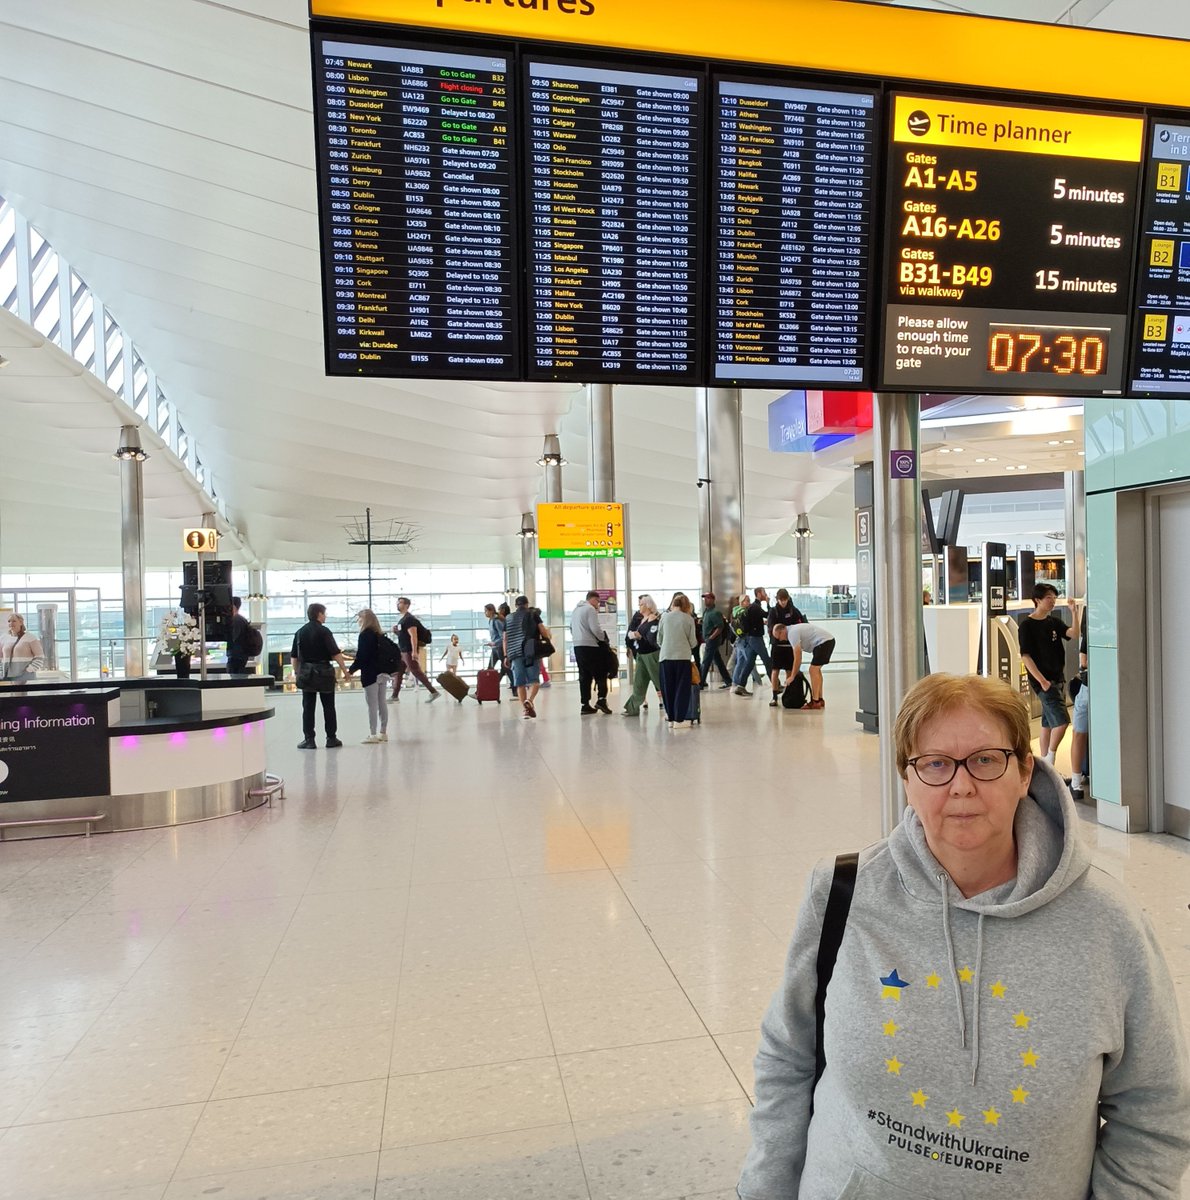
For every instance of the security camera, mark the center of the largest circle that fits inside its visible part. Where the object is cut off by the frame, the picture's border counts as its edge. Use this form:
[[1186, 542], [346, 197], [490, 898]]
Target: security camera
[[700, 482]]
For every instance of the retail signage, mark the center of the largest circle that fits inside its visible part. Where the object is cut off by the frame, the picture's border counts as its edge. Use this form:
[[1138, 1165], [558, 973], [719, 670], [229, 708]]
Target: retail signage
[[201, 541], [902, 464], [1010, 247], [838, 412], [54, 745], [788, 432], [580, 531]]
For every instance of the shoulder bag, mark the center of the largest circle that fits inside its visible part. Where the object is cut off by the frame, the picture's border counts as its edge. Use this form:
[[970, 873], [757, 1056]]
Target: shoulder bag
[[834, 925], [316, 677]]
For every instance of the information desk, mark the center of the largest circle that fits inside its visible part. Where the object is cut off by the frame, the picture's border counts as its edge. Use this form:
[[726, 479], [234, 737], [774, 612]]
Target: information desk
[[143, 752]]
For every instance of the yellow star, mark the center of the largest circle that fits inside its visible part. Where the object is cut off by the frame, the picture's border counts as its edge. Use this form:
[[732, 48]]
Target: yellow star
[[997, 990], [890, 993], [955, 1118], [919, 1098], [1029, 1057], [1021, 1021], [966, 975], [1019, 1095], [932, 980], [991, 1117], [890, 1028], [894, 1065]]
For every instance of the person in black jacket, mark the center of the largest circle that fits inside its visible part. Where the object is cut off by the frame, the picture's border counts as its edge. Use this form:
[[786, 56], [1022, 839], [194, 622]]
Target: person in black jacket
[[314, 645], [783, 611], [374, 680], [642, 642], [237, 654]]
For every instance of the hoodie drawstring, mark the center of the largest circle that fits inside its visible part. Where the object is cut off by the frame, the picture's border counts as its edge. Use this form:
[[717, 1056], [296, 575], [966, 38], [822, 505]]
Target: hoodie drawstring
[[944, 884]]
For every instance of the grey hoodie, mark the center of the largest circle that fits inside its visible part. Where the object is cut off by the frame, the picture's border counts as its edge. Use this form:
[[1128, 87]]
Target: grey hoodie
[[974, 1045]]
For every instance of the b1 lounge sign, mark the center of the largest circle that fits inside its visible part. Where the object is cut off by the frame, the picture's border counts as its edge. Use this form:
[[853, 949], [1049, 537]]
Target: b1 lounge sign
[[53, 747]]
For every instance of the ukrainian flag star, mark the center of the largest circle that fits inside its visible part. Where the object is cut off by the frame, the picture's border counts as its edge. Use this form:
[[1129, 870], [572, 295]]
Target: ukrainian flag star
[[966, 975], [997, 990], [1019, 1095], [955, 1118], [894, 1065], [991, 1117], [1021, 1021], [932, 980], [893, 985], [919, 1098], [1029, 1057], [890, 1028]]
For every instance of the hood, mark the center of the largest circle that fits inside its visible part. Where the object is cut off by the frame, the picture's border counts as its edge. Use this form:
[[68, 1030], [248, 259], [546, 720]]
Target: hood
[[1050, 858], [1051, 855]]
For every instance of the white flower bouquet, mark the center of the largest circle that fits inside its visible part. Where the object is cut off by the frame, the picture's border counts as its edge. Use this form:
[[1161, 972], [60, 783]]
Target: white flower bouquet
[[180, 635]]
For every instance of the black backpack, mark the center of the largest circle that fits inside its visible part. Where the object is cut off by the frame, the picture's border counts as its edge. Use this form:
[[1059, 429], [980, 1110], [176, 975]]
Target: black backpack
[[424, 636], [797, 692], [388, 655], [251, 641]]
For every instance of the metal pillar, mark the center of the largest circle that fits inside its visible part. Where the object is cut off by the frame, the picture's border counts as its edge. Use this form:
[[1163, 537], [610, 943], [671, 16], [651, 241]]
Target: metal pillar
[[132, 545], [528, 559], [1074, 485], [601, 466], [720, 457], [555, 614], [898, 577], [512, 587], [258, 610], [802, 537]]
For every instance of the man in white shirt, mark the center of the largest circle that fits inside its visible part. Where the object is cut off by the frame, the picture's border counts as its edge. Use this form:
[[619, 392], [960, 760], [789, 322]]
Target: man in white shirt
[[589, 639], [820, 643]]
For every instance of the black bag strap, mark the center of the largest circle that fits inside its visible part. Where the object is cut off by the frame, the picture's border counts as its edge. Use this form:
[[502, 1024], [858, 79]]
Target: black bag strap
[[834, 924]]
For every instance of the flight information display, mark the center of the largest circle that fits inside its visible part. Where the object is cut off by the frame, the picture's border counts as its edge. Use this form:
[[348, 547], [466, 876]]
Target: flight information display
[[793, 224], [1010, 247], [614, 165], [1161, 322], [418, 212]]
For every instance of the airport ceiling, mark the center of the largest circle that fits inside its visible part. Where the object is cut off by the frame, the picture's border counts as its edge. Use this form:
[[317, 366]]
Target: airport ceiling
[[166, 150]]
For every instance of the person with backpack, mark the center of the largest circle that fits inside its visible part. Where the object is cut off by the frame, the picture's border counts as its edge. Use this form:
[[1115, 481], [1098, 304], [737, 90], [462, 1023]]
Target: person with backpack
[[819, 643], [244, 643], [411, 634], [524, 638], [373, 654]]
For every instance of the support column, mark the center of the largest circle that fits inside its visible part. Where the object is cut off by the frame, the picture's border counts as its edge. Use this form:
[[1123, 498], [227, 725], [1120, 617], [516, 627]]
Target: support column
[[555, 613], [1074, 486], [132, 545], [720, 458], [802, 536], [601, 466], [529, 558], [512, 587], [258, 610], [898, 575]]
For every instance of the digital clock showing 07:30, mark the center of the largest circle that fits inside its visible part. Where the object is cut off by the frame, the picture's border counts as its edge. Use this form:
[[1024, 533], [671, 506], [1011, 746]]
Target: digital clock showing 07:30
[[1047, 349]]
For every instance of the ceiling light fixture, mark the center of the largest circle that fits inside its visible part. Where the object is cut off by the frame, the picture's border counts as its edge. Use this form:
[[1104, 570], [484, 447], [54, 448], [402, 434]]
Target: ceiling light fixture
[[130, 449], [551, 455], [958, 450], [802, 528], [4, 361], [527, 529]]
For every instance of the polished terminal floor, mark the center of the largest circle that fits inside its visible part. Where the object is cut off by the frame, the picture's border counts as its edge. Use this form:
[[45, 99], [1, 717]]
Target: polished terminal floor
[[492, 959]]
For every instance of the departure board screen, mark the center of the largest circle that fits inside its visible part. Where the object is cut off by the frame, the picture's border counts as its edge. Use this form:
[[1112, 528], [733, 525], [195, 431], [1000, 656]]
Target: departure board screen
[[614, 164], [1161, 322], [793, 224], [418, 211], [1010, 246]]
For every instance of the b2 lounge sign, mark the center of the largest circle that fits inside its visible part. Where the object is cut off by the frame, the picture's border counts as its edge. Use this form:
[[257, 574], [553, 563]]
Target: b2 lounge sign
[[53, 748]]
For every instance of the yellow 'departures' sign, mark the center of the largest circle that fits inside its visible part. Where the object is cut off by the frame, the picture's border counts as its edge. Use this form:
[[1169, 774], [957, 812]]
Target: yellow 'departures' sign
[[580, 531], [930, 121], [827, 35]]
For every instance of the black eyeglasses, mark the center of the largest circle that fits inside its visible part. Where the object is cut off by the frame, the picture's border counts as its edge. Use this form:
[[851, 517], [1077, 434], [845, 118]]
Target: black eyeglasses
[[936, 770]]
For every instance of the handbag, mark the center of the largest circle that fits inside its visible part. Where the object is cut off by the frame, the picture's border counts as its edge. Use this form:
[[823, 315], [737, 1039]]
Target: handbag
[[611, 661], [695, 674], [545, 648], [316, 677]]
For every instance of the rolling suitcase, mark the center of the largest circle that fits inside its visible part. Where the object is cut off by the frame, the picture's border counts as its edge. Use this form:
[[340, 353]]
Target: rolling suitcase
[[454, 686], [694, 712], [487, 686]]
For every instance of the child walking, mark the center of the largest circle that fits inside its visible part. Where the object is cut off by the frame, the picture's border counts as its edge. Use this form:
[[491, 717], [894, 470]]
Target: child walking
[[453, 654]]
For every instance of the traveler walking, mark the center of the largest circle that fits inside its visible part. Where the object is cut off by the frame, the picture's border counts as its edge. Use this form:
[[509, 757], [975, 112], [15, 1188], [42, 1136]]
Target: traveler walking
[[453, 655], [21, 654], [237, 650], [410, 634], [751, 646], [1043, 651], [495, 637], [714, 638], [372, 675], [523, 635], [590, 650], [819, 643], [314, 650], [678, 643], [642, 641]]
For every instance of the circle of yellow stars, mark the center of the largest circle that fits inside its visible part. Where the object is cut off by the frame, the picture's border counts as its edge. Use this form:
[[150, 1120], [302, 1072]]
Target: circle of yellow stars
[[892, 986]]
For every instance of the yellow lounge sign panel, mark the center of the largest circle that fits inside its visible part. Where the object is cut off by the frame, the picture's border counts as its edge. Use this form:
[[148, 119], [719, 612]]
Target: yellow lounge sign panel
[[826, 35], [580, 530]]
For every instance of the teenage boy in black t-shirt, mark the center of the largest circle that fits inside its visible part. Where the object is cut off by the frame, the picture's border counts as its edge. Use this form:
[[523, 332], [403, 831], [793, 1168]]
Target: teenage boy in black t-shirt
[[1043, 650]]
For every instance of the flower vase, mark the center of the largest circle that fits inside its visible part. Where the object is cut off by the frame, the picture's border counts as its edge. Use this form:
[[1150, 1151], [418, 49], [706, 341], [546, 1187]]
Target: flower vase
[[182, 666]]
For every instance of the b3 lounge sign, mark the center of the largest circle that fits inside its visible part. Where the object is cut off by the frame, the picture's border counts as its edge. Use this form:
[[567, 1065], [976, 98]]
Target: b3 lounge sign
[[53, 747]]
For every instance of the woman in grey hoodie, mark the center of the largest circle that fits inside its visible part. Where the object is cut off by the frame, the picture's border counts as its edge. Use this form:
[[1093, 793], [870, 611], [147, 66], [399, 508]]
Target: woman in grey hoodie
[[1000, 1021]]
